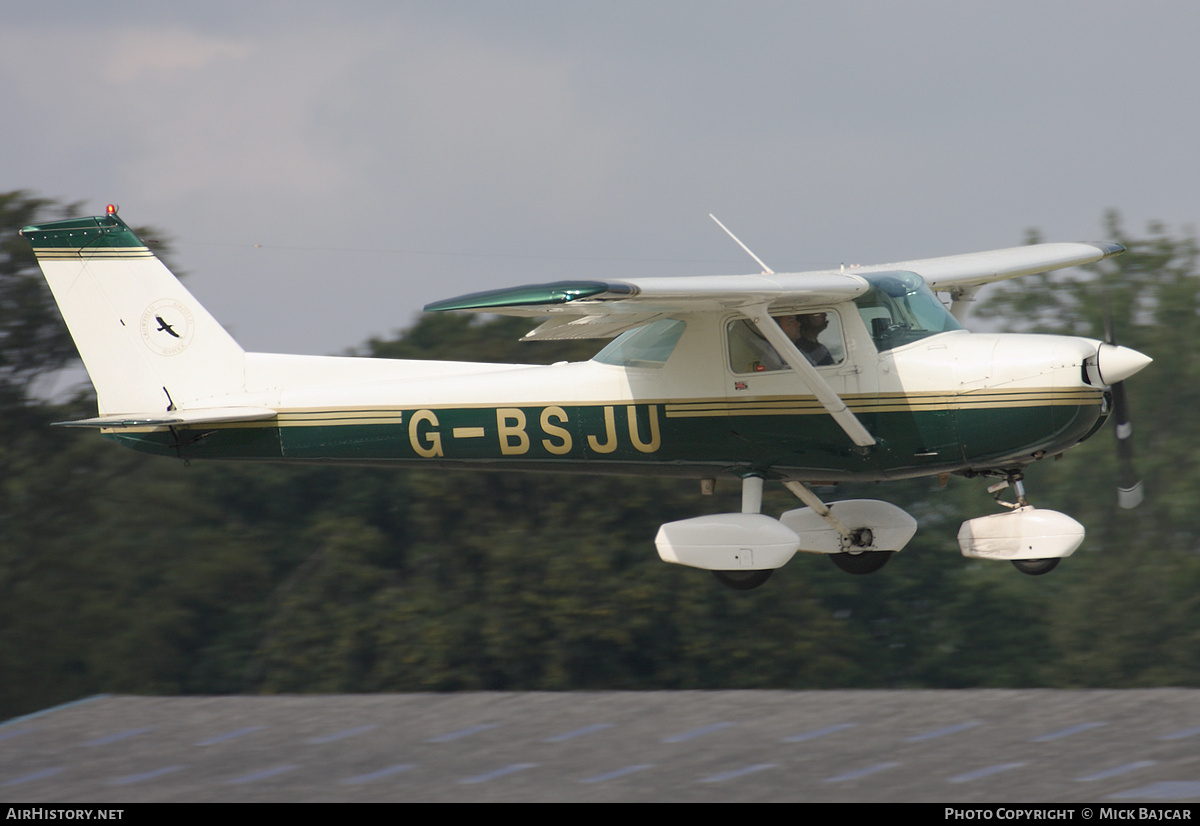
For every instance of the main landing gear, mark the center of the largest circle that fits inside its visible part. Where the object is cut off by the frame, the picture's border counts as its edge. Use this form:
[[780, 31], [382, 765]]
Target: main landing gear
[[860, 550], [818, 528], [743, 549], [863, 562], [745, 579]]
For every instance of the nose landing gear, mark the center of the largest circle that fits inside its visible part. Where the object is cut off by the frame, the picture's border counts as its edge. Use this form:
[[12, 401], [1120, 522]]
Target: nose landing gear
[[1033, 539]]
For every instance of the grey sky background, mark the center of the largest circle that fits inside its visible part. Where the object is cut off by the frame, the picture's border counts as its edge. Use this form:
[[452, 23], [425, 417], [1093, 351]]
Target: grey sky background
[[324, 170]]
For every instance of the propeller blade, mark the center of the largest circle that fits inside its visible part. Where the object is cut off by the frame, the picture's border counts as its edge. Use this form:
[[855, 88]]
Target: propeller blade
[[1129, 485]]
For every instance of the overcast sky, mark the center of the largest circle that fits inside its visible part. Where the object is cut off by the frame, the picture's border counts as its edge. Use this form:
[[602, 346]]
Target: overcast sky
[[324, 170]]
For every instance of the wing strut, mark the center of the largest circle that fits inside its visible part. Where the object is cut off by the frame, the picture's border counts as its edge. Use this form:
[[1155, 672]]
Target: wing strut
[[808, 374]]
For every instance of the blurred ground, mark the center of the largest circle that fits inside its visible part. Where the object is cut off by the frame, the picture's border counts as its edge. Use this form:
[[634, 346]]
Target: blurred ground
[[992, 746]]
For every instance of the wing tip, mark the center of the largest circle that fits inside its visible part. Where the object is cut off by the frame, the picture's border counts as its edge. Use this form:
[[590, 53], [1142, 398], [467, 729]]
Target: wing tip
[[1109, 248]]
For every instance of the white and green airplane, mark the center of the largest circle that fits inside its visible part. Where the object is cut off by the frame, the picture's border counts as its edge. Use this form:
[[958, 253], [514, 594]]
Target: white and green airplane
[[858, 374]]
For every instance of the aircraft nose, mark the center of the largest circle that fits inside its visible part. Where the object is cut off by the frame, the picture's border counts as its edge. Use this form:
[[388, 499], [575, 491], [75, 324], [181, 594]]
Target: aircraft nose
[[1117, 363]]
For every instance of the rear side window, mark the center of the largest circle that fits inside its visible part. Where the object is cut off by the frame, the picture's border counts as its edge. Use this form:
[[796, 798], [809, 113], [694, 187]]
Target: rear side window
[[648, 346]]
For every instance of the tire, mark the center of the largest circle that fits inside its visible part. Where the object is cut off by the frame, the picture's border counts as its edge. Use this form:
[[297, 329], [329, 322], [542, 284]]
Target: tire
[[1036, 567], [743, 580], [867, 562]]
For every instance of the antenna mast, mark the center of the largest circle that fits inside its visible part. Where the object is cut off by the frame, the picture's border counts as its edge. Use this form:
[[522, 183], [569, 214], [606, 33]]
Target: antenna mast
[[766, 270]]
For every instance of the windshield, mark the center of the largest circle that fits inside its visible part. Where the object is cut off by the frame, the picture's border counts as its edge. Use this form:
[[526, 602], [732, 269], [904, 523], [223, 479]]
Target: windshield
[[900, 309], [648, 346]]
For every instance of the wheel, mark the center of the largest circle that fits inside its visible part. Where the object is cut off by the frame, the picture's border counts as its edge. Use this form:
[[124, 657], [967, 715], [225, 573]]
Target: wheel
[[866, 562], [1036, 567], [743, 580]]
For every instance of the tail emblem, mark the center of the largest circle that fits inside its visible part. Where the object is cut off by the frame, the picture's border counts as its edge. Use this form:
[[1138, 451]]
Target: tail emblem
[[167, 327]]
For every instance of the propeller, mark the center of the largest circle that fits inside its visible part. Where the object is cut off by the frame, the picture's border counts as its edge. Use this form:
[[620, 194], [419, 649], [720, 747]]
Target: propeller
[[1129, 484]]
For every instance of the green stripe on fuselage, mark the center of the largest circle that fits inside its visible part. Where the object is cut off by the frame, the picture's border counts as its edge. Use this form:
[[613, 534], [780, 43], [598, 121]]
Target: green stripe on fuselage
[[916, 434]]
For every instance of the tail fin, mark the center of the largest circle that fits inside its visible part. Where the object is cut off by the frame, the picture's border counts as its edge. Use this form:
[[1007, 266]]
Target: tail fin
[[147, 344]]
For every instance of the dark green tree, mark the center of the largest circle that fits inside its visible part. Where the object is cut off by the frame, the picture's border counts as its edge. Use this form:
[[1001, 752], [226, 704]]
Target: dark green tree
[[34, 343], [1125, 609]]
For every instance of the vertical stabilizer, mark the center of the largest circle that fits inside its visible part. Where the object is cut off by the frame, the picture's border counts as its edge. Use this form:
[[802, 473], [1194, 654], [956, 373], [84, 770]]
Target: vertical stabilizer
[[147, 344]]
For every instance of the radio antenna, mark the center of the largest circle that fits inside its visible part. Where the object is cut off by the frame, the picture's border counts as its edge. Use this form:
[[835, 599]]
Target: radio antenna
[[766, 270]]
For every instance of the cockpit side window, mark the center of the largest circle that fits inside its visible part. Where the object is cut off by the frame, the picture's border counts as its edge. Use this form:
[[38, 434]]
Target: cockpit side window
[[899, 309], [818, 335]]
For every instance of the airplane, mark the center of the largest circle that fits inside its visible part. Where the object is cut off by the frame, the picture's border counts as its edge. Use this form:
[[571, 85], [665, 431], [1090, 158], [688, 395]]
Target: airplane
[[809, 379]]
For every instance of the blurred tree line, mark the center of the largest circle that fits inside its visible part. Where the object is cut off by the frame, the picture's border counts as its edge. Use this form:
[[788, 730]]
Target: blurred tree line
[[133, 574]]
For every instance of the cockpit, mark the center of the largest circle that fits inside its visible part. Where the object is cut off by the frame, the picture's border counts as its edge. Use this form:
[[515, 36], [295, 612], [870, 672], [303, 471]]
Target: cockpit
[[898, 308]]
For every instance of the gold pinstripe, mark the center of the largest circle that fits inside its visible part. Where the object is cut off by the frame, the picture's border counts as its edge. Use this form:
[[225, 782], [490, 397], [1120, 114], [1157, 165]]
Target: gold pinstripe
[[700, 408], [107, 253]]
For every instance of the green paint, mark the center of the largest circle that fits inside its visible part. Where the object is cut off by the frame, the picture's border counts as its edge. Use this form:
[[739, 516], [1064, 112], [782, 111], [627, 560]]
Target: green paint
[[559, 292], [647, 438], [103, 231]]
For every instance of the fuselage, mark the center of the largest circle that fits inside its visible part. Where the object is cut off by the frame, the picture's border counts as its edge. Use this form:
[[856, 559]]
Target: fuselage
[[947, 402], [819, 376]]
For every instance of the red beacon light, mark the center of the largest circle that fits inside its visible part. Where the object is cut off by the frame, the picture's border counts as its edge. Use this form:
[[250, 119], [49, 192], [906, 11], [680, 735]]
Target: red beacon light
[[111, 209]]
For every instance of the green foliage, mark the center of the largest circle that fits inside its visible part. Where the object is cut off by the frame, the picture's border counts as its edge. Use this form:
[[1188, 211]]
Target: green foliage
[[33, 340], [120, 572], [1126, 611]]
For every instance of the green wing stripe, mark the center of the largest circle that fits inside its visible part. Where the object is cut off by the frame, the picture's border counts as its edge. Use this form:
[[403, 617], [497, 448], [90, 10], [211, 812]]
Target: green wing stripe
[[558, 292]]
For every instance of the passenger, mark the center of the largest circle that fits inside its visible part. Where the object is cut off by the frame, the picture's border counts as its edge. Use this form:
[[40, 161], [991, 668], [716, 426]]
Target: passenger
[[803, 330]]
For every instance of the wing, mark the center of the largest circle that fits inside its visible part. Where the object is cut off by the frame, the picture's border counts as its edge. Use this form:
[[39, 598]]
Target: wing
[[601, 309], [953, 273]]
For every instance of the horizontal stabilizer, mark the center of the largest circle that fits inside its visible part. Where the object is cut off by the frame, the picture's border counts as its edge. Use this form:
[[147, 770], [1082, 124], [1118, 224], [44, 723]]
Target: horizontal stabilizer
[[177, 418]]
